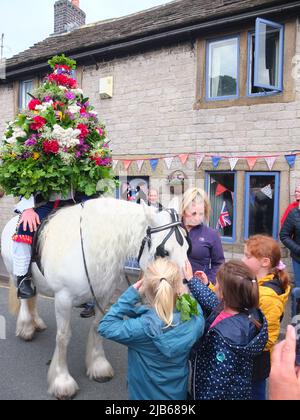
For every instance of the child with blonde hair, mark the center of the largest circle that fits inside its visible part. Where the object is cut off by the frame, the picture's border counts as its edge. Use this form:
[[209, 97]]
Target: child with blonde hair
[[263, 256], [158, 340]]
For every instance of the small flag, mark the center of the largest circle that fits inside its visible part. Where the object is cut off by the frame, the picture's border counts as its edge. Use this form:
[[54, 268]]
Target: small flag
[[183, 158], [224, 219], [127, 164], [291, 159], [169, 161], [199, 159], [154, 163], [220, 190], [267, 190], [140, 164], [270, 161], [233, 162], [215, 161], [251, 162]]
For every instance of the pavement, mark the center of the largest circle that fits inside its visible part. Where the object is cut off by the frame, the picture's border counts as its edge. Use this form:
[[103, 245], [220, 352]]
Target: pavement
[[24, 366]]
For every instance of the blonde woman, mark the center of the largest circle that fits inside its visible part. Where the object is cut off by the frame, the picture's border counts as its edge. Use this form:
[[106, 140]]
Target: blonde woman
[[158, 341], [207, 252]]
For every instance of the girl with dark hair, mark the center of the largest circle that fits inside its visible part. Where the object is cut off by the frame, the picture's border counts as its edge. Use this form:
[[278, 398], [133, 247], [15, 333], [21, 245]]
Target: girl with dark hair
[[235, 333]]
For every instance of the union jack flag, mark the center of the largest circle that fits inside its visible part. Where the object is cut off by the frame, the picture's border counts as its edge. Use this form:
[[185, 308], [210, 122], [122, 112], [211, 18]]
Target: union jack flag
[[224, 219]]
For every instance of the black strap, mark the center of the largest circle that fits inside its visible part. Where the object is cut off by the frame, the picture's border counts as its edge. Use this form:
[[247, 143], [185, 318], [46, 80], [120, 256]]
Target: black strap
[[86, 268]]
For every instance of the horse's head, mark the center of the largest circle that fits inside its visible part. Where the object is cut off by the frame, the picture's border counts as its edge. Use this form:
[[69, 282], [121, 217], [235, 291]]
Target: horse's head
[[165, 237]]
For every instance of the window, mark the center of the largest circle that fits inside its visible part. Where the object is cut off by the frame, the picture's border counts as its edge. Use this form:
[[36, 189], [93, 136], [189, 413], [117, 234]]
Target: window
[[266, 57], [261, 204], [222, 70], [133, 188], [221, 189], [26, 87]]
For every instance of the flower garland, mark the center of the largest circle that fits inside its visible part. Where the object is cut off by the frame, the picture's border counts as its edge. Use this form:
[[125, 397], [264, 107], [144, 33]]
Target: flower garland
[[58, 143]]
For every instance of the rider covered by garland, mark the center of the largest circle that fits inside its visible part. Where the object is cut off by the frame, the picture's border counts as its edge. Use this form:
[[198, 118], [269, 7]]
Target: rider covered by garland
[[54, 153]]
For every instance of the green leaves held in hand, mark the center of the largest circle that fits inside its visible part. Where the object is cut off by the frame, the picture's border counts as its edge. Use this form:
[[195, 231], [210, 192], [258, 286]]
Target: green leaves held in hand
[[187, 306]]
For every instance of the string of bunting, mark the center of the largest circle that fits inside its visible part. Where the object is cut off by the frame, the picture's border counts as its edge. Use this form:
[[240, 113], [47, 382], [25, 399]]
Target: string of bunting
[[215, 160]]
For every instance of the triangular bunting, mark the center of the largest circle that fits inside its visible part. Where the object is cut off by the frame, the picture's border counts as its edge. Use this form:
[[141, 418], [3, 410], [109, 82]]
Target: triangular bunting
[[215, 161], [127, 164], [267, 190], [220, 190], [140, 164], [154, 163], [199, 159], [115, 163], [251, 162], [183, 158], [169, 161], [291, 159], [270, 160], [233, 162]]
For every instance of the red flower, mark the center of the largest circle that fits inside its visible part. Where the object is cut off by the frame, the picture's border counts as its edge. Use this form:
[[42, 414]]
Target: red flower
[[84, 130], [39, 122], [51, 146], [33, 104], [62, 80]]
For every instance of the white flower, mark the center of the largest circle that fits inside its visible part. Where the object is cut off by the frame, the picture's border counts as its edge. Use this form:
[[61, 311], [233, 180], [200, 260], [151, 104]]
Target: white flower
[[66, 138], [94, 113], [74, 109], [63, 87], [18, 132], [77, 91], [44, 106]]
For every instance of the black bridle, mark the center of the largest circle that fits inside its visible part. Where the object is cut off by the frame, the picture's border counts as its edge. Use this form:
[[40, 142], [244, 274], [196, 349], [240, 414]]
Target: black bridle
[[173, 228]]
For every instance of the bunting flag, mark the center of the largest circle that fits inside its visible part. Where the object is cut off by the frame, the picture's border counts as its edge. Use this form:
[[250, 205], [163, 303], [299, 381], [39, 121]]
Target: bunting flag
[[270, 161], [220, 190], [224, 219], [215, 161], [140, 164], [267, 190], [291, 159], [169, 161], [154, 163], [251, 162], [127, 164], [233, 162], [115, 163], [183, 158], [199, 159]]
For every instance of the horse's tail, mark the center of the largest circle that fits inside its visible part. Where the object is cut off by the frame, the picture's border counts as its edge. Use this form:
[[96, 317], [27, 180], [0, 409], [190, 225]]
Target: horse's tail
[[14, 302]]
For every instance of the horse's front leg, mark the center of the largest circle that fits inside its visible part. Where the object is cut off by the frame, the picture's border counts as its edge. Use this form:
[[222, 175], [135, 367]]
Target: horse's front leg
[[98, 367], [61, 383]]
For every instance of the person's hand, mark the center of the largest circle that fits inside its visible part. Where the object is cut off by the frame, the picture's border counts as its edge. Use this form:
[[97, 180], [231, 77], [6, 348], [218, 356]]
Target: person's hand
[[31, 219], [138, 284], [202, 277], [188, 271], [285, 376]]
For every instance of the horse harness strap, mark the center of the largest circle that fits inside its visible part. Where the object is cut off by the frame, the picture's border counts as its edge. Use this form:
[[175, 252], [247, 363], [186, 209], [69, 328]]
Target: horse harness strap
[[173, 227], [86, 268]]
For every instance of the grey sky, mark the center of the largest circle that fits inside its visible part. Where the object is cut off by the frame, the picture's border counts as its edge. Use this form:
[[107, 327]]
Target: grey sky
[[25, 22]]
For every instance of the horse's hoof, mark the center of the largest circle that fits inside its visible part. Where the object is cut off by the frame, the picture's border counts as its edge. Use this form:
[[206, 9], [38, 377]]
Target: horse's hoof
[[102, 380]]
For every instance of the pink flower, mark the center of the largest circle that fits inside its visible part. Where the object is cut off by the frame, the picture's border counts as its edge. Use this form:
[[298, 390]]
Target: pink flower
[[33, 104], [39, 122]]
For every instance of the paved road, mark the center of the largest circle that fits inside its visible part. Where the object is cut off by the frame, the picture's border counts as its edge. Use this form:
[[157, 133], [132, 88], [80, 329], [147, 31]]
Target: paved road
[[23, 366]]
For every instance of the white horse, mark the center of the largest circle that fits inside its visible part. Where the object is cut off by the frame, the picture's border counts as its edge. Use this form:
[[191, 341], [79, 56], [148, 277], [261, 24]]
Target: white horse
[[112, 232]]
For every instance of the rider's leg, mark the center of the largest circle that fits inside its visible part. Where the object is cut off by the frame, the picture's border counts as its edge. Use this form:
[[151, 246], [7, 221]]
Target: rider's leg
[[22, 252]]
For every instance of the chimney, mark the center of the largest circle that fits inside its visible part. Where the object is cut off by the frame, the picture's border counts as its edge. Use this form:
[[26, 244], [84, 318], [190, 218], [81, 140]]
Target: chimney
[[67, 16]]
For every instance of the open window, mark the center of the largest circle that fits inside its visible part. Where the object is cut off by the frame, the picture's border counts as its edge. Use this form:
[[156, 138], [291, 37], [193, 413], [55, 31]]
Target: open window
[[266, 57]]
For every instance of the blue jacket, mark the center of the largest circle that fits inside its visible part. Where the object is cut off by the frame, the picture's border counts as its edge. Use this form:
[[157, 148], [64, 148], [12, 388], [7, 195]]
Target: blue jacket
[[207, 252], [223, 359], [158, 358]]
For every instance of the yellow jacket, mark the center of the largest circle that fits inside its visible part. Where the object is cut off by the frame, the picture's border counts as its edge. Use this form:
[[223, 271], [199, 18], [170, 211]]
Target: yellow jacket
[[273, 306]]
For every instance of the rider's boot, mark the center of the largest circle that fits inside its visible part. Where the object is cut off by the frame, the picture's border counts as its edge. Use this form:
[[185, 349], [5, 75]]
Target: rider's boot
[[25, 289]]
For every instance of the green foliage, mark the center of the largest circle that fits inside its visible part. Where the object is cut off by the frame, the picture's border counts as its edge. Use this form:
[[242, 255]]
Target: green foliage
[[187, 306], [62, 60]]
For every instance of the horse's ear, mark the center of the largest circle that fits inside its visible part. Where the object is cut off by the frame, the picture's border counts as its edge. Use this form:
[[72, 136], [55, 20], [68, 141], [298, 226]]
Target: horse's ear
[[150, 212]]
